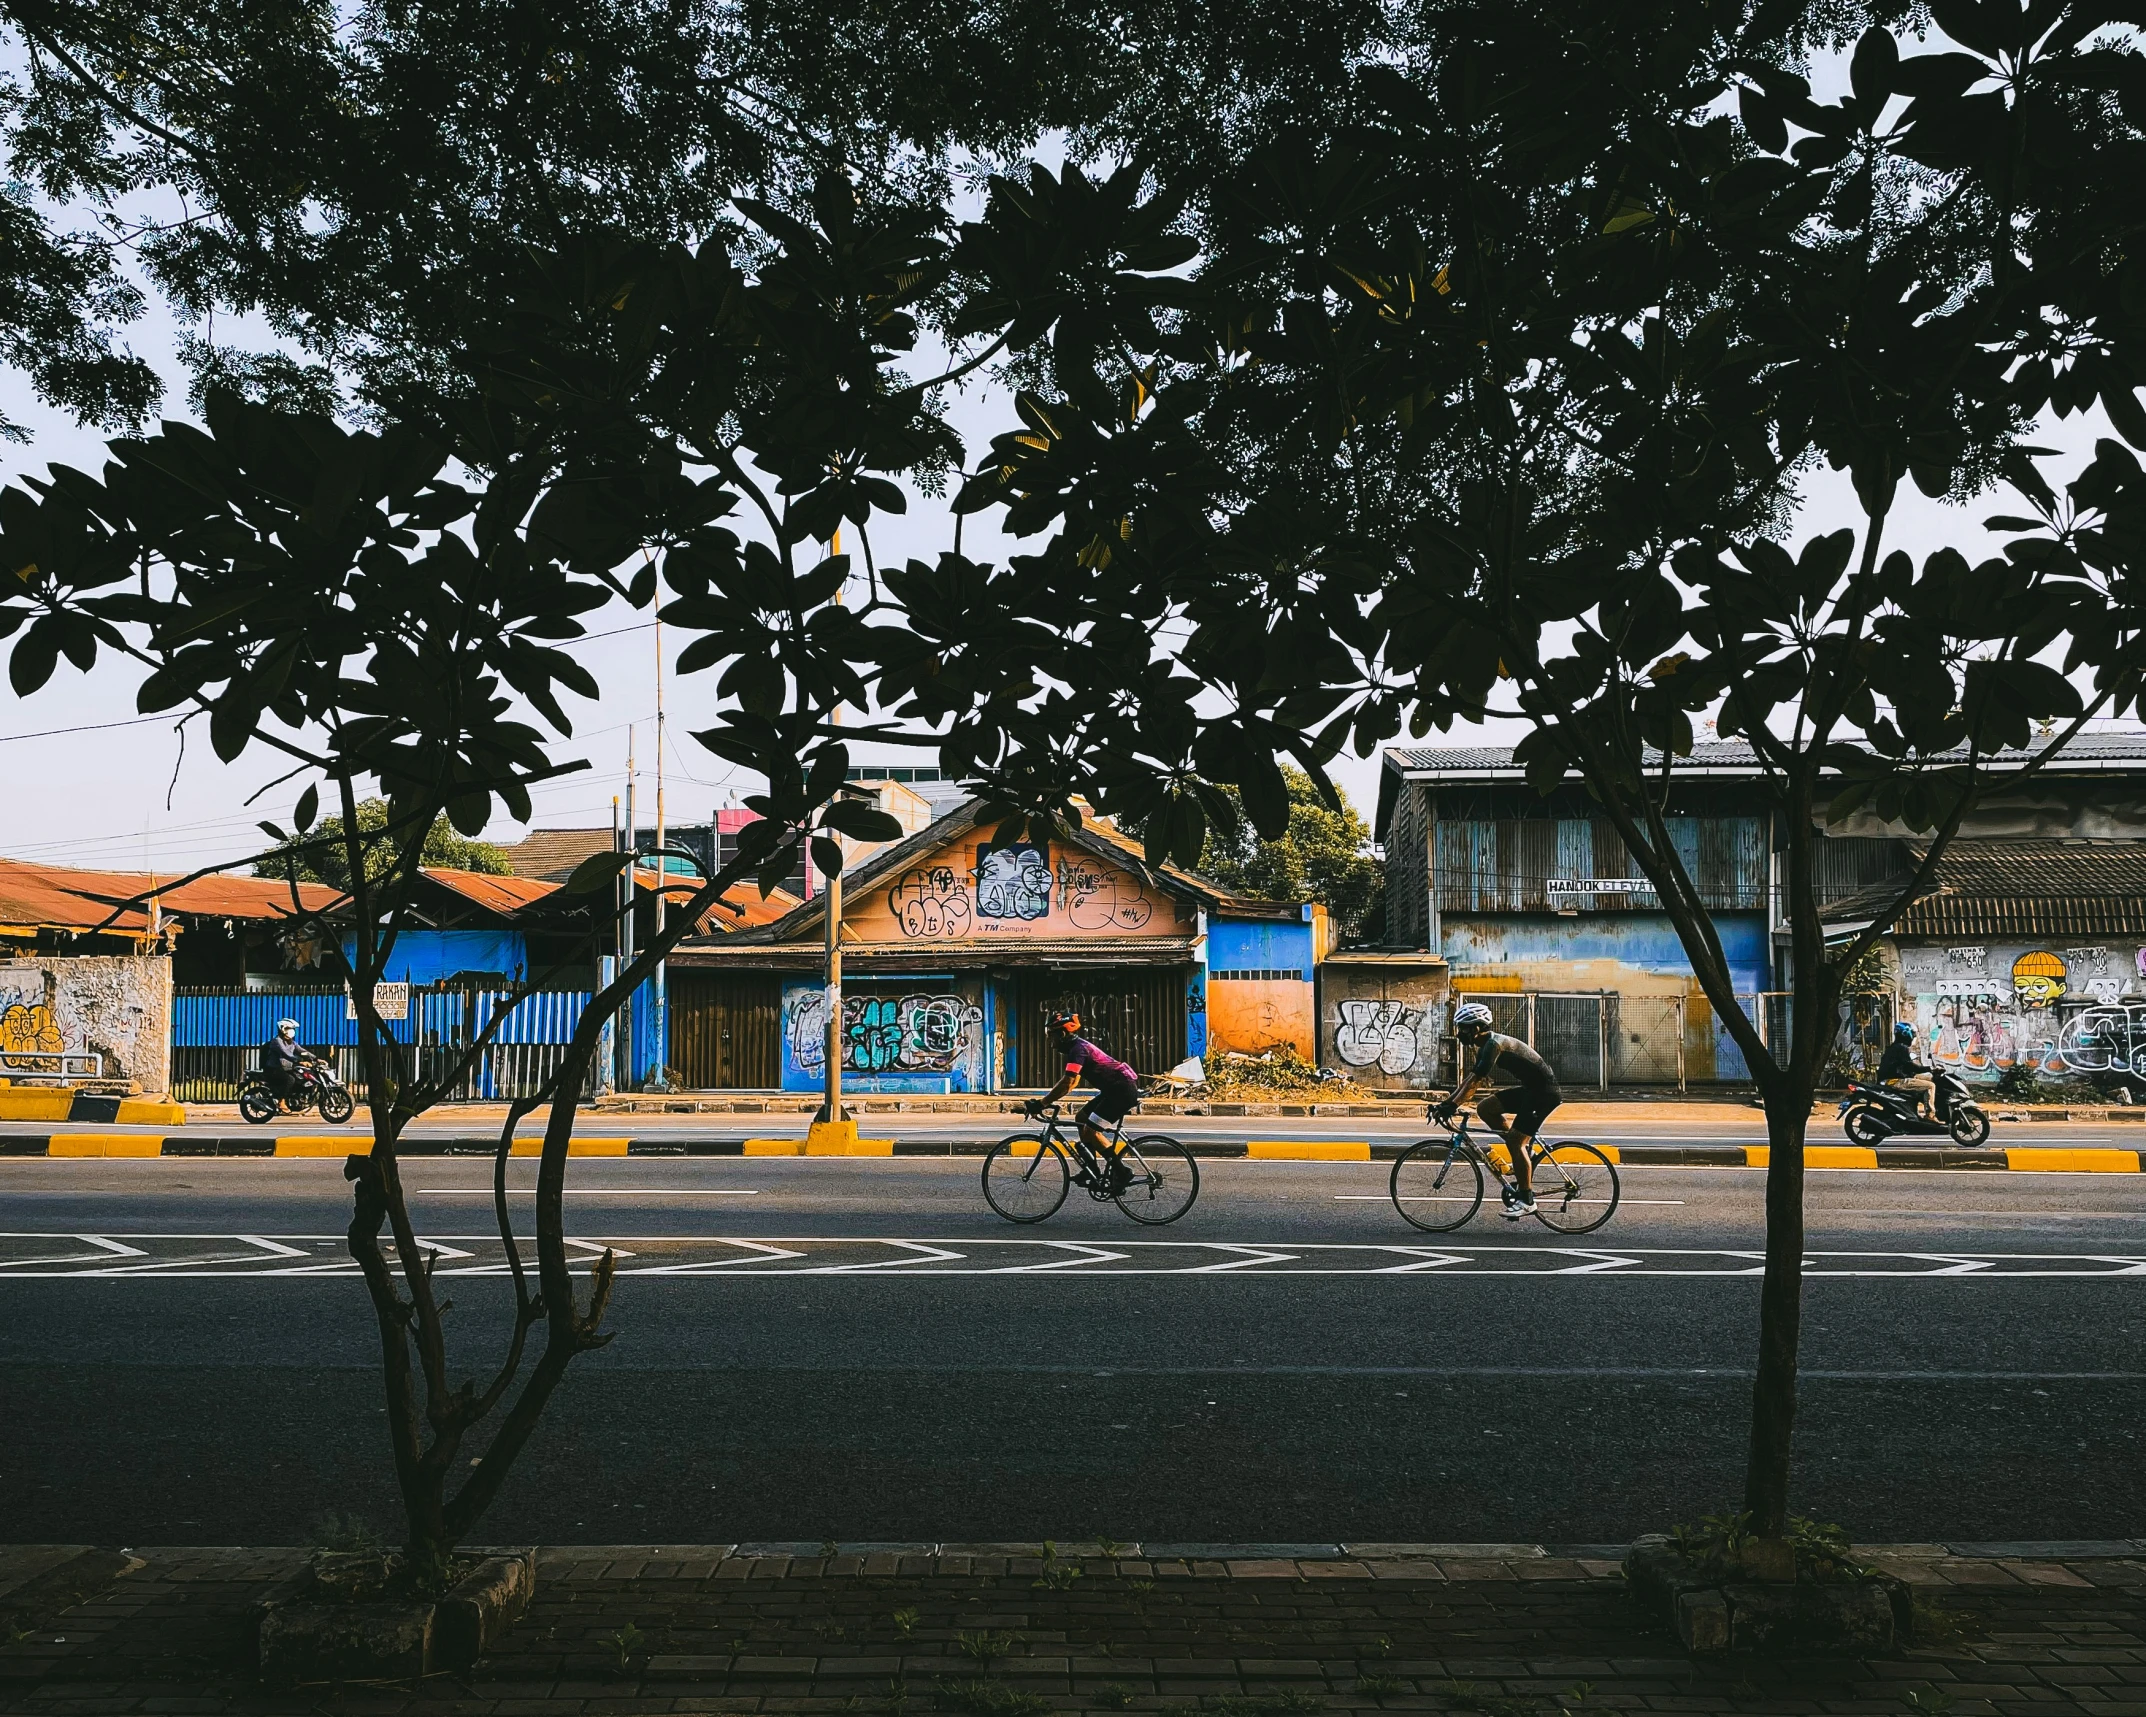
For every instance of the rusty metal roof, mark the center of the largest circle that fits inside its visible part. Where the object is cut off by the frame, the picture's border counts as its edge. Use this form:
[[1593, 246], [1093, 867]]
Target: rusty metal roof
[[2017, 888], [506, 894], [57, 897], [550, 855]]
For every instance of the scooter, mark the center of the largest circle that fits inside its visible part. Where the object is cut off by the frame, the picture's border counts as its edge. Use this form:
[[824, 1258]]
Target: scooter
[[1871, 1114], [317, 1085]]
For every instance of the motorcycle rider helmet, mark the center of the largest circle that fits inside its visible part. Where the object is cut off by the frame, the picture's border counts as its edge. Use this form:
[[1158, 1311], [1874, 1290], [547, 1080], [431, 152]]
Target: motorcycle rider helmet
[[1903, 1032], [286, 1028], [1471, 1020]]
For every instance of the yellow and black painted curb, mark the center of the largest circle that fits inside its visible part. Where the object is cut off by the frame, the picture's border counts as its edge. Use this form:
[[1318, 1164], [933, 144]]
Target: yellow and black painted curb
[[2035, 1159], [69, 1103]]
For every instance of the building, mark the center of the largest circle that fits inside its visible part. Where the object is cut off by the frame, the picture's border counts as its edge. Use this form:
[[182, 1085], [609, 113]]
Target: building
[[1537, 908], [957, 948], [2027, 955]]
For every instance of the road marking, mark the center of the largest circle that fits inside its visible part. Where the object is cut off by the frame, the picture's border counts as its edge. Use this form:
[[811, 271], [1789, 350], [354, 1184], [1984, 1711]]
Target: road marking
[[27, 1255], [1428, 1198], [592, 1191]]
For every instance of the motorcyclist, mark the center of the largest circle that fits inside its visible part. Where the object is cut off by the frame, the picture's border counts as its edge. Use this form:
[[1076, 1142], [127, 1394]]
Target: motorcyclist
[[284, 1060], [1899, 1068]]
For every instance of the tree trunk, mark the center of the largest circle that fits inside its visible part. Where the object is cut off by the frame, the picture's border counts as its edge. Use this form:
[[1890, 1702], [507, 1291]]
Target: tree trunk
[[1773, 1394]]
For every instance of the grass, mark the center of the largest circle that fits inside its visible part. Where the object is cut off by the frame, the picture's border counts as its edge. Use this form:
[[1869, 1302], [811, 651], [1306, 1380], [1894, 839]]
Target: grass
[[1381, 1687], [986, 1648], [626, 1644], [905, 1622], [1935, 1701], [1114, 1694], [1933, 1623], [1468, 1697], [981, 1698]]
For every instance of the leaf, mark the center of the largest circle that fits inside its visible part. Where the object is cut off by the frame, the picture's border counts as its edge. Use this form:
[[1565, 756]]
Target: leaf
[[862, 821], [307, 809], [595, 872], [35, 657], [826, 856]]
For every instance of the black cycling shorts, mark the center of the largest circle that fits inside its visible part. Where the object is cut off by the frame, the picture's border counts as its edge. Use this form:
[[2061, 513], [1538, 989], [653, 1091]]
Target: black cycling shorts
[[1527, 1110], [1111, 1104]]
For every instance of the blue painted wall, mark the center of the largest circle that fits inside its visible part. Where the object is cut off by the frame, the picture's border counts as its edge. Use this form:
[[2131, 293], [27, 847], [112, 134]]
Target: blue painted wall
[[1258, 944], [433, 956], [1645, 940], [931, 1036]]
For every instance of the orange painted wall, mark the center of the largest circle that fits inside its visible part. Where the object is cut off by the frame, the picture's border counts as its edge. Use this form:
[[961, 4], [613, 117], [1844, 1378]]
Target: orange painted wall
[[1253, 1015], [968, 891]]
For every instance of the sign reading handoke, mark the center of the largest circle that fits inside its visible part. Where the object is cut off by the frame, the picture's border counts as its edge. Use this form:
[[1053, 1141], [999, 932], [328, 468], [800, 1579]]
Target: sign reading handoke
[[390, 1001], [1600, 885]]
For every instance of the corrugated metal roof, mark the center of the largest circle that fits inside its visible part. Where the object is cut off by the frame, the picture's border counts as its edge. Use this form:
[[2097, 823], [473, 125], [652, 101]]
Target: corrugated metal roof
[[2097, 751], [948, 956], [57, 897], [550, 855], [508, 894], [2018, 888]]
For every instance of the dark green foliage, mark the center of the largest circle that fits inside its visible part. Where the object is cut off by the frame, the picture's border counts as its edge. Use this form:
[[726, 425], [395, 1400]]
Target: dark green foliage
[[322, 856], [1322, 855]]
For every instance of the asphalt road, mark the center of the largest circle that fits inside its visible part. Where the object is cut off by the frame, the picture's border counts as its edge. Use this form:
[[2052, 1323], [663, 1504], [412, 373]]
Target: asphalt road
[[810, 1349]]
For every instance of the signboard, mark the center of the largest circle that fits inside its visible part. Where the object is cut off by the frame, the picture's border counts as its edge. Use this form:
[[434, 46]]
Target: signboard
[[1600, 885], [390, 1001]]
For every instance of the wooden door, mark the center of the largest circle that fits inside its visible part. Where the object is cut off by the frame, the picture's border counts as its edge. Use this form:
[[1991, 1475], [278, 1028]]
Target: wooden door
[[726, 1029]]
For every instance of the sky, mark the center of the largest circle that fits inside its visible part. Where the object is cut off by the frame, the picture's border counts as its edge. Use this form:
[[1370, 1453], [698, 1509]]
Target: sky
[[83, 781]]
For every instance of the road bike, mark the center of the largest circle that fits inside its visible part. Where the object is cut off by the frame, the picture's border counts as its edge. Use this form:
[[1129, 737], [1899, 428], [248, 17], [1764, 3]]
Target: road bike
[[1438, 1184], [1152, 1179]]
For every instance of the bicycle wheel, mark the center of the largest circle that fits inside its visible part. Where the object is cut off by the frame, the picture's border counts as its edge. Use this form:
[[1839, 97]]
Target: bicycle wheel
[[1436, 1185], [1166, 1179], [1575, 1187], [1025, 1178]]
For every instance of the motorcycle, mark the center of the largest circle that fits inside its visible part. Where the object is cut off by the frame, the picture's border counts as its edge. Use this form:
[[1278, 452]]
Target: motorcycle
[[318, 1087], [1871, 1114]]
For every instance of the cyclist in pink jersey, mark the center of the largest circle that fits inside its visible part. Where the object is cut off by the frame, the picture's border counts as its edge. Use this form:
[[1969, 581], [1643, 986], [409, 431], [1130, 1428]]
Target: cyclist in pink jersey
[[1117, 1089]]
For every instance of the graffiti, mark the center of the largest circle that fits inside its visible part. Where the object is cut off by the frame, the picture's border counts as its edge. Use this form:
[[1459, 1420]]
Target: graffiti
[[2087, 962], [1013, 881], [920, 1033], [29, 1036], [1381, 1032], [932, 901], [2103, 1040], [1970, 958], [807, 1031], [2038, 979], [1096, 898]]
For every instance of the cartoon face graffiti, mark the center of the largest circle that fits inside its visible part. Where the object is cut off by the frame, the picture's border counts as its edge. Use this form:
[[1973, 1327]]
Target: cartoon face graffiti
[[1012, 881], [2038, 979]]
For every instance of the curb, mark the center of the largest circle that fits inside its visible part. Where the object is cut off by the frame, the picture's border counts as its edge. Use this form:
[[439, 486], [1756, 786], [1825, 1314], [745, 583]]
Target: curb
[[2026, 1160], [69, 1103]]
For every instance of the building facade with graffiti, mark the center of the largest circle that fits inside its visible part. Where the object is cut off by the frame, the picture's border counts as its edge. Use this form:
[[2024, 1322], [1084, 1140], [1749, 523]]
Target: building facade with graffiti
[[2024, 957], [1536, 908], [957, 947]]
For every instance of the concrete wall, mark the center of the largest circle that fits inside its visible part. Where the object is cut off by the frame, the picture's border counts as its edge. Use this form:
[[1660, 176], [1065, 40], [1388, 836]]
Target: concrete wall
[[114, 1006], [2064, 1009], [1384, 1025]]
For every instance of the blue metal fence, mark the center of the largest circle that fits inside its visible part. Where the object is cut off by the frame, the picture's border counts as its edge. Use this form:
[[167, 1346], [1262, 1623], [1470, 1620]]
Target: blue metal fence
[[217, 1037]]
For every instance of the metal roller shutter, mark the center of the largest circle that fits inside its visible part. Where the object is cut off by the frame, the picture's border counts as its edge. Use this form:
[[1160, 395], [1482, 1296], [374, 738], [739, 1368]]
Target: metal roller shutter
[[1136, 1015]]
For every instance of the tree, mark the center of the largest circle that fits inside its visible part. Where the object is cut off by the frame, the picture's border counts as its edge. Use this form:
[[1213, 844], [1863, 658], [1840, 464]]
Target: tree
[[348, 600], [1322, 855], [320, 856], [1492, 400]]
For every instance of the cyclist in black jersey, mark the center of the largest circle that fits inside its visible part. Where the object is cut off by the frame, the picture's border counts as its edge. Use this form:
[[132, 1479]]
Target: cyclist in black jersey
[[1524, 1091]]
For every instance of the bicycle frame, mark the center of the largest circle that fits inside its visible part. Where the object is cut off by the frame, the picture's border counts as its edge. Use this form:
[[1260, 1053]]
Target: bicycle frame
[[1075, 1142]]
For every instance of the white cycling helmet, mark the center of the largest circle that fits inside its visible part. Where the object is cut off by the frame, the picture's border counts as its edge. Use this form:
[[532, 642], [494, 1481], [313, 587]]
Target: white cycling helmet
[[1471, 1016], [286, 1028]]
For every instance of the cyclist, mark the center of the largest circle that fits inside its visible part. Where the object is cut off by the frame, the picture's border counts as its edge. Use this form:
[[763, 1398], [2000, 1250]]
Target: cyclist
[[283, 1058], [1525, 1090], [1899, 1068], [1117, 1089]]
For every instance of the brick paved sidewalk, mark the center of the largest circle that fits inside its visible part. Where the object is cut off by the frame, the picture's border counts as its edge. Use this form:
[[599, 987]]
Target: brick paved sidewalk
[[890, 1632]]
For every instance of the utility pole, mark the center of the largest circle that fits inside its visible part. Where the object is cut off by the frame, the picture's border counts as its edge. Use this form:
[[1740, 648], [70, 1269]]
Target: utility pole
[[832, 1129], [626, 919], [660, 1023]]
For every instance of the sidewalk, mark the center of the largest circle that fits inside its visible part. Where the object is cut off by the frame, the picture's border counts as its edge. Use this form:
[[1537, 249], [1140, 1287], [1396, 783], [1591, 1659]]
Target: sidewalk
[[996, 1631]]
